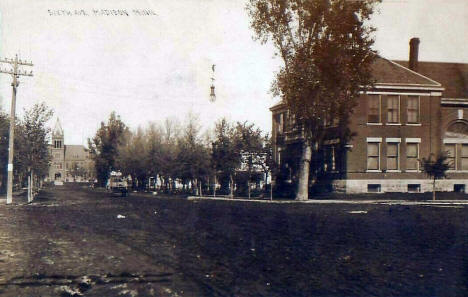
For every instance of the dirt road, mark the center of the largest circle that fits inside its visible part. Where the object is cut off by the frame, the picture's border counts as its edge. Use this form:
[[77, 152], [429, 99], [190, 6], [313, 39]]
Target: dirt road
[[74, 241]]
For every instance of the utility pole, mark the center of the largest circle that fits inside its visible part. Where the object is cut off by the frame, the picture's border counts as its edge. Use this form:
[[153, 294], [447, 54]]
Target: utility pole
[[15, 73]]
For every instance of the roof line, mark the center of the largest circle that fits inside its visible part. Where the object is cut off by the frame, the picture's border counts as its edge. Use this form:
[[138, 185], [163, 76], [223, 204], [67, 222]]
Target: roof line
[[414, 72], [409, 87], [405, 84], [277, 105], [435, 62]]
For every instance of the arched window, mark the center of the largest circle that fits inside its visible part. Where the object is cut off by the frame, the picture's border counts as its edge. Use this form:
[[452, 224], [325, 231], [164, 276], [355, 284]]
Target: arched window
[[458, 129], [456, 145]]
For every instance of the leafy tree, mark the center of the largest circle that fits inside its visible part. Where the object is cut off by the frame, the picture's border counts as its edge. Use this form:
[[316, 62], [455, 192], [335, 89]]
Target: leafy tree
[[250, 144], [267, 163], [193, 157], [78, 171], [435, 168], [132, 157], [226, 157], [154, 135], [32, 143], [4, 132], [169, 152], [104, 146], [326, 49]]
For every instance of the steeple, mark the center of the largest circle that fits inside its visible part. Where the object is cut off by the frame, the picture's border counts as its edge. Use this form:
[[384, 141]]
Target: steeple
[[58, 131], [57, 136]]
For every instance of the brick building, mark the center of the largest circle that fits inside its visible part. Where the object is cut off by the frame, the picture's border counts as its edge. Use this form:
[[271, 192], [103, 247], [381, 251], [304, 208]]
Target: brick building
[[68, 162], [413, 110]]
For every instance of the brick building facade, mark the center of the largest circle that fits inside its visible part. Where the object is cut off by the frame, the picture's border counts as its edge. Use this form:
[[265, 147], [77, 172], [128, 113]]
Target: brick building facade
[[68, 162], [413, 110]]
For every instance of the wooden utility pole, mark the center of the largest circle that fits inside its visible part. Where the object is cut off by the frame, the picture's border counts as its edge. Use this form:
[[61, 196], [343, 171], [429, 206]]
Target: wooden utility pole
[[15, 73]]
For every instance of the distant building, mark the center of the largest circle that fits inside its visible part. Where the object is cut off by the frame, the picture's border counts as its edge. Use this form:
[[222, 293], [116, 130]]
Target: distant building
[[68, 162], [415, 109]]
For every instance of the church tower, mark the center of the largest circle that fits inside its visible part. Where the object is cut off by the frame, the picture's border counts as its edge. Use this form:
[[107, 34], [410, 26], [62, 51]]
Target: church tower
[[57, 168], [57, 136]]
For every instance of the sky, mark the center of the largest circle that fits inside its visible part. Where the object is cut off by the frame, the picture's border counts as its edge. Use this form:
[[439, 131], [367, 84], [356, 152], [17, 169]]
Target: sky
[[155, 62]]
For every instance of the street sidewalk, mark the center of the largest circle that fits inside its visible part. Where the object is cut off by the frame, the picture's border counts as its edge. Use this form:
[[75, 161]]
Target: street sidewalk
[[338, 201]]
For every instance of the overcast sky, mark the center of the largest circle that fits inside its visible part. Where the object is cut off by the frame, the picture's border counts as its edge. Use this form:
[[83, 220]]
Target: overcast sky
[[149, 67]]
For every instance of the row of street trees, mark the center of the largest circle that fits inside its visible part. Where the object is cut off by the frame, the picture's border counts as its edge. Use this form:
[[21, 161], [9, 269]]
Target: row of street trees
[[232, 154]]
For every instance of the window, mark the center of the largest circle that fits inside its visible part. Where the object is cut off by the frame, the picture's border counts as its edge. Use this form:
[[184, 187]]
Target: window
[[373, 188], [464, 157], [393, 109], [373, 152], [451, 154], [412, 155], [279, 123], [413, 109], [57, 144], [414, 188], [329, 157], [392, 156], [460, 188], [373, 109]]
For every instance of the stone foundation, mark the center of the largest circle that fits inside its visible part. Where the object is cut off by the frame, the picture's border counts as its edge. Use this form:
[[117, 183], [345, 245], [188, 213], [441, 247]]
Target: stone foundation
[[398, 185]]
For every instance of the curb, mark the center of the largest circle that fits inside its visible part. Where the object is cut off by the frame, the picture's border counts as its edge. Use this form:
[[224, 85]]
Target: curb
[[314, 201]]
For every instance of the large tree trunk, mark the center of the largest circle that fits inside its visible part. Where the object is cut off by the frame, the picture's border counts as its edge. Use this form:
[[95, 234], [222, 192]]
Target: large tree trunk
[[303, 183]]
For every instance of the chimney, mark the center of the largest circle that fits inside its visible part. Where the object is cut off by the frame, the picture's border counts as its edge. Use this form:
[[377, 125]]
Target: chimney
[[413, 53]]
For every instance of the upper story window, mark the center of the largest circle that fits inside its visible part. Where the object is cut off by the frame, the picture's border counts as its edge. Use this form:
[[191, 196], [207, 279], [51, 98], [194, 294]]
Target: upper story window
[[393, 109], [279, 122], [57, 144], [373, 109], [413, 109]]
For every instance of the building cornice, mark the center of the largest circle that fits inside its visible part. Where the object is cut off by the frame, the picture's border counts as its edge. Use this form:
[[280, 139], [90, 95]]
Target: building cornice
[[386, 86], [278, 106], [455, 101]]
